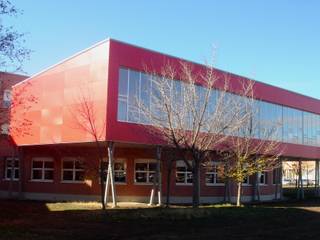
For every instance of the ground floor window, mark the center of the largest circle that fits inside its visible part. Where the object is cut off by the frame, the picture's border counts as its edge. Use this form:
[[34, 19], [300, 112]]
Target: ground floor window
[[145, 170], [42, 169], [72, 170], [120, 170], [246, 181], [183, 173], [11, 169], [263, 177], [214, 173]]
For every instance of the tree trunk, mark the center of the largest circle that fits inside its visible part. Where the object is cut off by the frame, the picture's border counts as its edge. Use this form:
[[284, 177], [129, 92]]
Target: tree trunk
[[159, 176], [239, 184], [102, 184], [196, 183], [21, 172], [169, 170]]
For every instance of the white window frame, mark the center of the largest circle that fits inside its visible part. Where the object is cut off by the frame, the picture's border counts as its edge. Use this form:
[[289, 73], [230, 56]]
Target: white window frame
[[6, 98], [14, 169], [117, 160], [43, 169], [73, 169], [186, 172], [247, 183], [4, 129], [148, 172], [215, 173], [265, 180]]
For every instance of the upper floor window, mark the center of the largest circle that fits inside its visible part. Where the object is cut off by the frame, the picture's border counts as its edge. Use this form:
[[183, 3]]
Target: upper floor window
[[145, 170], [11, 169], [72, 170], [42, 169], [6, 98], [214, 173], [183, 173], [138, 96]]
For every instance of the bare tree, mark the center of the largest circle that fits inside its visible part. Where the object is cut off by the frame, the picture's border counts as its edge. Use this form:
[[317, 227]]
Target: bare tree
[[13, 119], [12, 50], [189, 114], [254, 148], [86, 119]]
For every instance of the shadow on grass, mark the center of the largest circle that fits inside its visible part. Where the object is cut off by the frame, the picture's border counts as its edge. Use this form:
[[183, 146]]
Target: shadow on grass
[[33, 220]]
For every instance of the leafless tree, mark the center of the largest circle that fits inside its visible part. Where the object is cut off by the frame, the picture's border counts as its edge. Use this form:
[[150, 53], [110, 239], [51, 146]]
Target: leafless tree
[[189, 113], [12, 50], [86, 118]]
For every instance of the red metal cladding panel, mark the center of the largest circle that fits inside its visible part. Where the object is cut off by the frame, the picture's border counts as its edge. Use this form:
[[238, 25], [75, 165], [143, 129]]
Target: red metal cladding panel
[[125, 55], [61, 95]]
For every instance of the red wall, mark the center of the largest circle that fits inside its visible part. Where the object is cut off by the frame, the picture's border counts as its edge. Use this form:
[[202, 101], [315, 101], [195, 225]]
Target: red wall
[[7, 80], [58, 92], [97, 69], [92, 186], [139, 59]]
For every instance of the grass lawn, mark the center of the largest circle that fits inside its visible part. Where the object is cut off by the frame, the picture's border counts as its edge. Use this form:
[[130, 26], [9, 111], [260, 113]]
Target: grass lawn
[[41, 220]]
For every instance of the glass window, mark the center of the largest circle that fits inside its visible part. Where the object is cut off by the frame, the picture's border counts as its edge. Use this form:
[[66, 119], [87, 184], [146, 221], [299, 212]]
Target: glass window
[[123, 94], [292, 122], [42, 169], [183, 173], [246, 181], [120, 168], [11, 168], [214, 173], [271, 121], [6, 98], [134, 99], [72, 170], [145, 97], [145, 170], [263, 178], [4, 129]]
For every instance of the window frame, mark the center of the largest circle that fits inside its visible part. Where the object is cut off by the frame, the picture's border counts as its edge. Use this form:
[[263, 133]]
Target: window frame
[[265, 178], [5, 175], [73, 169], [117, 160], [148, 161], [215, 165], [186, 172], [43, 169], [248, 182], [6, 98]]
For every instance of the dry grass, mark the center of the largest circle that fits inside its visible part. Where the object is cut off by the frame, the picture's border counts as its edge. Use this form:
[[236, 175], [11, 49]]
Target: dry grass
[[81, 220]]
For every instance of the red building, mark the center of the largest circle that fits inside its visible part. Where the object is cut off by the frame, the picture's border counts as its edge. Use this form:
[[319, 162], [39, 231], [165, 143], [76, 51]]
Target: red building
[[7, 149], [59, 160]]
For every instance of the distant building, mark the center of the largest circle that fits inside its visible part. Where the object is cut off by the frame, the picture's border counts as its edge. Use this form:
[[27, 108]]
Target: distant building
[[7, 80]]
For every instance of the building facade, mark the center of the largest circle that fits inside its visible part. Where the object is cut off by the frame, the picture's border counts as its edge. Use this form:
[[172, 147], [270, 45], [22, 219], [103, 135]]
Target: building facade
[[59, 158], [7, 149]]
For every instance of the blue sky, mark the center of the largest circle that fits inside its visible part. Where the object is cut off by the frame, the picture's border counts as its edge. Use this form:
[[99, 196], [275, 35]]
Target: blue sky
[[273, 41]]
